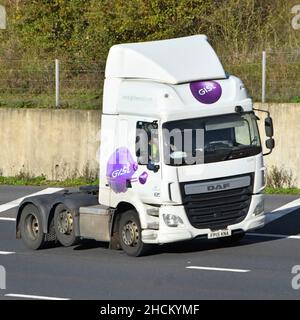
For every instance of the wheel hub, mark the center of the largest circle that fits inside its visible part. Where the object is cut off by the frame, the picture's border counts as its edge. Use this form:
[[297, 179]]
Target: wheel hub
[[65, 222], [32, 226], [35, 226], [130, 234]]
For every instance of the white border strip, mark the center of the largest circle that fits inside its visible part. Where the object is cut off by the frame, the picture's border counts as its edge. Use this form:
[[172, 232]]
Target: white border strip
[[282, 211], [218, 269], [268, 235], [15, 203], [25, 296]]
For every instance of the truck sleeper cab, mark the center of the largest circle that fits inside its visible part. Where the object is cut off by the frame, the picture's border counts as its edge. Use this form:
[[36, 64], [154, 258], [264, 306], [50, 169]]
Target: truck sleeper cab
[[181, 156]]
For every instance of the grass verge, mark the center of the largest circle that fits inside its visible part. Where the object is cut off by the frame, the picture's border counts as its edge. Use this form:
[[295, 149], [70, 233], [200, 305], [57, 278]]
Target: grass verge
[[86, 100], [24, 180], [291, 191], [42, 181]]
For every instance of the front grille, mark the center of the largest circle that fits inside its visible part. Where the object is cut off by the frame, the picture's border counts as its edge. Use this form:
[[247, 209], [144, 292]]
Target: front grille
[[217, 210]]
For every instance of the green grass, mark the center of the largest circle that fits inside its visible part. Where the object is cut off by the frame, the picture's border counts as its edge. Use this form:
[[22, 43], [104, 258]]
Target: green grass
[[296, 100], [89, 100], [291, 191], [42, 181]]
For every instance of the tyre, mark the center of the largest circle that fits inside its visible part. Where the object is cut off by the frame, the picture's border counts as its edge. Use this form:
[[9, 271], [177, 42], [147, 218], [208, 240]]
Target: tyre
[[64, 226], [31, 227], [130, 234], [232, 240]]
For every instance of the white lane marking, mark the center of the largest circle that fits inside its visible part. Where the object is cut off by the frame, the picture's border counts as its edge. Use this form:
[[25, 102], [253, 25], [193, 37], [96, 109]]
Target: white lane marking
[[15, 203], [6, 253], [26, 296], [282, 211], [268, 235], [8, 219], [218, 269]]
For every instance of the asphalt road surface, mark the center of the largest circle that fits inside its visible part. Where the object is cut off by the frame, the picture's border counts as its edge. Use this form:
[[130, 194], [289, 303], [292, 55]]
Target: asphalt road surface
[[260, 267]]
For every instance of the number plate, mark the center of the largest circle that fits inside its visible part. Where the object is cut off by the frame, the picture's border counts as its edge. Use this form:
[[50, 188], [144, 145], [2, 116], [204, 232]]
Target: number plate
[[219, 234]]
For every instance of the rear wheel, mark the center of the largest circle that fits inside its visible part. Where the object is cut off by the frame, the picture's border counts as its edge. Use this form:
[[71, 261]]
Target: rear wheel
[[130, 234], [31, 227], [64, 226]]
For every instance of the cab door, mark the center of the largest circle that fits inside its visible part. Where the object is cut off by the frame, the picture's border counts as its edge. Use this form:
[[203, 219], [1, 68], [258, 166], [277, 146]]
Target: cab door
[[148, 157], [133, 169]]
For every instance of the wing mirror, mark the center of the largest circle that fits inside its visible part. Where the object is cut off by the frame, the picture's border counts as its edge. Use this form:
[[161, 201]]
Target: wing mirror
[[269, 127], [270, 144], [269, 130]]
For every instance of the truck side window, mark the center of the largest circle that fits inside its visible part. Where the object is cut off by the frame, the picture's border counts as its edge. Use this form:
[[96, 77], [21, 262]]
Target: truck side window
[[147, 142]]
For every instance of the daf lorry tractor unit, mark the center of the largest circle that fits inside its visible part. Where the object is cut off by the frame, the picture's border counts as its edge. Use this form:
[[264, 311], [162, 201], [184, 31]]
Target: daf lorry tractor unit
[[180, 156]]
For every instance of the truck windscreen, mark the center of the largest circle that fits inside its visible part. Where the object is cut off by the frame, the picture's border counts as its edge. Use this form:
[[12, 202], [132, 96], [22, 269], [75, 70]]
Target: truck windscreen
[[211, 139]]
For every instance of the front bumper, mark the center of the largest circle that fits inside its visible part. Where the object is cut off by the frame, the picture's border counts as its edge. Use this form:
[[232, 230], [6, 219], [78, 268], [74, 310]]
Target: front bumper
[[186, 231]]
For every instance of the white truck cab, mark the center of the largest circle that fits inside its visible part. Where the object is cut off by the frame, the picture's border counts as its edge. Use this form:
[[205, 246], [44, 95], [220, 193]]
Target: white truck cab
[[181, 155]]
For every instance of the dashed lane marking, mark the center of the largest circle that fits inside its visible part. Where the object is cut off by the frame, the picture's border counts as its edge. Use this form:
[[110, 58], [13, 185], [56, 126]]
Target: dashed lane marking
[[218, 269], [8, 219], [26, 296], [5, 253]]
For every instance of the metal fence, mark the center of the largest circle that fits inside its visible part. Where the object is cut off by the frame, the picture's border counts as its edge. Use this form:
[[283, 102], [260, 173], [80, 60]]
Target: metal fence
[[79, 84], [270, 76], [53, 83]]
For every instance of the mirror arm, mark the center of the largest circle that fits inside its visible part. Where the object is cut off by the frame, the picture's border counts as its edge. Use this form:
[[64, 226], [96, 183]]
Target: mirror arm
[[268, 153], [264, 111]]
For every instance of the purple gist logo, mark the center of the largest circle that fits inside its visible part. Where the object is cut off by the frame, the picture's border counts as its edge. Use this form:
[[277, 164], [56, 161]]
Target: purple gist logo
[[121, 169], [207, 92]]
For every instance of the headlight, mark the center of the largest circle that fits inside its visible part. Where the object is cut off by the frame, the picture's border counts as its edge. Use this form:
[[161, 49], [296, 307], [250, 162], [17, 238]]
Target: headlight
[[259, 209], [172, 221]]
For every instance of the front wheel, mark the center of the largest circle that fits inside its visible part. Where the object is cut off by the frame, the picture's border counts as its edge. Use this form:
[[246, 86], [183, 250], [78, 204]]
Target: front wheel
[[130, 234]]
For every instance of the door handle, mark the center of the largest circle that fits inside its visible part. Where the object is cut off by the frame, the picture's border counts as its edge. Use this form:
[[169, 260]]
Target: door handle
[[128, 184]]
